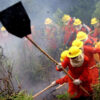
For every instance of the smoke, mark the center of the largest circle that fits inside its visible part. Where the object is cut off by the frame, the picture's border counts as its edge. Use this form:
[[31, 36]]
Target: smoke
[[30, 65]]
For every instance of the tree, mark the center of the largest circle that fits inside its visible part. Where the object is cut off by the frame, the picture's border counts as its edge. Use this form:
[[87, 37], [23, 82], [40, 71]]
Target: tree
[[83, 10], [97, 10], [57, 17]]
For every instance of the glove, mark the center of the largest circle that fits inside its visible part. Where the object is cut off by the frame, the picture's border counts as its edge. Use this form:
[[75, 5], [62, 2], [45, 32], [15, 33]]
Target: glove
[[59, 66], [77, 81], [53, 83]]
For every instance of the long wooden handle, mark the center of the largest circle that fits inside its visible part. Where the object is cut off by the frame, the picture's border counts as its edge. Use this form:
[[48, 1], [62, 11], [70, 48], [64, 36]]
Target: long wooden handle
[[91, 32], [60, 86], [52, 60], [42, 91], [95, 65]]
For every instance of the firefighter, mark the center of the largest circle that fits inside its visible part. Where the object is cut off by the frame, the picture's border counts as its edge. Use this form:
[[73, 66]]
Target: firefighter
[[4, 34], [88, 40], [50, 33], [94, 22], [89, 52], [77, 63], [81, 27], [96, 33], [68, 29]]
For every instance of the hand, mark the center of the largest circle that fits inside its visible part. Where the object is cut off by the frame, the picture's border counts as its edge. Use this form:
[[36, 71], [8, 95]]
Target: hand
[[59, 66], [77, 81], [53, 83]]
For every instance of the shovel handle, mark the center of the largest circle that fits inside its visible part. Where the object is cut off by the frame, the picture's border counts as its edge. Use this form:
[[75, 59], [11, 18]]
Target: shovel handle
[[42, 91], [60, 86], [91, 32], [53, 61]]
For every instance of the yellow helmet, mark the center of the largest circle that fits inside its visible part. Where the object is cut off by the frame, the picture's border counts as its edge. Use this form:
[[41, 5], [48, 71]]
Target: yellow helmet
[[94, 21], [77, 22], [73, 52], [63, 55], [65, 18], [3, 28], [97, 45], [48, 21], [81, 35], [77, 43]]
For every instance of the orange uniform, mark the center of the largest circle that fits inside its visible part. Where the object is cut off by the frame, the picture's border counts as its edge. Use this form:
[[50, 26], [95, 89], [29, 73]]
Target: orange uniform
[[89, 52], [90, 41], [81, 73], [84, 28], [96, 33], [69, 32]]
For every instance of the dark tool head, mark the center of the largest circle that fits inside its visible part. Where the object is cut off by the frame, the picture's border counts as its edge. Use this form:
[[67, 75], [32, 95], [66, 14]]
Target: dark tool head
[[16, 20]]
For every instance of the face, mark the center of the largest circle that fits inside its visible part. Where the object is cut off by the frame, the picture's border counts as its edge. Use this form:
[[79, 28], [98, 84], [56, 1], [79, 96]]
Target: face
[[77, 27], [77, 59], [67, 22]]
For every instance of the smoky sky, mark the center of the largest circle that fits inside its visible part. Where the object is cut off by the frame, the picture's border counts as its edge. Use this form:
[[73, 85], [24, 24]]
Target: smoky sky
[[38, 10]]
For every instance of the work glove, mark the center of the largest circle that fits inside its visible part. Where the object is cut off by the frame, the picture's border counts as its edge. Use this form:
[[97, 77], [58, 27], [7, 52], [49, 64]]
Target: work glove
[[59, 66], [54, 83], [77, 81]]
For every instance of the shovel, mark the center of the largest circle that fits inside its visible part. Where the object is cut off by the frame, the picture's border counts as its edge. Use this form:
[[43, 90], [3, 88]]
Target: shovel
[[17, 22]]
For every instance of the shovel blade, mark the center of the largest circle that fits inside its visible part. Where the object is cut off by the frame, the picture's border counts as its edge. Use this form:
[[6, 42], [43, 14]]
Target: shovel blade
[[16, 21]]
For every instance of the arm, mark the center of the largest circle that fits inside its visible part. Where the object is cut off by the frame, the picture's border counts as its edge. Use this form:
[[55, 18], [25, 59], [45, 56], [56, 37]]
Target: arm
[[62, 80], [92, 49], [64, 64]]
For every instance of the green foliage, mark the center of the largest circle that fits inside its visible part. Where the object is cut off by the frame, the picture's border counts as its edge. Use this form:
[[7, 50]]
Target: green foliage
[[58, 16], [22, 95], [97, 11], [63, 96], [96, 88], [83, 10], [96, 93]]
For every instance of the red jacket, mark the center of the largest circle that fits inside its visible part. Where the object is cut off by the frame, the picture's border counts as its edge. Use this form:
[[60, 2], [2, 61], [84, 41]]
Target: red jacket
[[90, 41], [89, 52], [68, 32], [84, 28], [81, 73]]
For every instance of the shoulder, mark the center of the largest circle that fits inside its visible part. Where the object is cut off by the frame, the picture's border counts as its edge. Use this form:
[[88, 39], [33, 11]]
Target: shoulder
[[65, 62], [86, 59]]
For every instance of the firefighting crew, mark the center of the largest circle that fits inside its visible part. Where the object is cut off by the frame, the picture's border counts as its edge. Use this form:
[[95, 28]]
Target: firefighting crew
[[68, 29], [89, 51], [77, 63]]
